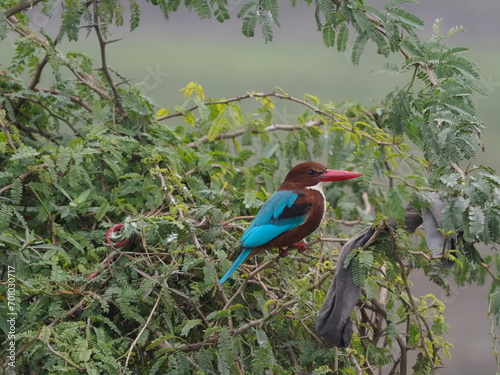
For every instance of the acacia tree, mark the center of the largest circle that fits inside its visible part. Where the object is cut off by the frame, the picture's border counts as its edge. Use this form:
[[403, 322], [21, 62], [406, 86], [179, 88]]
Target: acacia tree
[[118, 217]]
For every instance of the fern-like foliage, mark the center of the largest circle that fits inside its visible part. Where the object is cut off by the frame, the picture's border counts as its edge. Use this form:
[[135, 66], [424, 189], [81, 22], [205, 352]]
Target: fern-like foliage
[[118, 216]]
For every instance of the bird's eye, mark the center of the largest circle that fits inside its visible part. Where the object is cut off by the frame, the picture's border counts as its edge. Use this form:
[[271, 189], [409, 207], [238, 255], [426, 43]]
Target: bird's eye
[[310, 172]]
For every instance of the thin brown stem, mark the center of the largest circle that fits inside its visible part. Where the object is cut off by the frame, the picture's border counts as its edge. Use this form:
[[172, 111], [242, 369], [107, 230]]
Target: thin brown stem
[[20, 7], [148, 320], [7, 135], [269, 129], [65, 359], [23, 176], [275, 127], [104, 65]]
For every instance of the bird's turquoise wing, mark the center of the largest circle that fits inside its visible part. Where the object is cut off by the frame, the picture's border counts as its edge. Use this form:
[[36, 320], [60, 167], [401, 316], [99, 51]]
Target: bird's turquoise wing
[[284, 211], [281, 212]]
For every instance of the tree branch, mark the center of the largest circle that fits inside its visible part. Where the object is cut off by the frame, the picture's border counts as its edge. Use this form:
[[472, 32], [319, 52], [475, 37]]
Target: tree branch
[[75, 99], [411, 301], [22, 177], [104, 65], [7, 136], [143, 329], [82, 77], [20, 7], [275, 127], [43, 63], [268, 129], [67, 360]]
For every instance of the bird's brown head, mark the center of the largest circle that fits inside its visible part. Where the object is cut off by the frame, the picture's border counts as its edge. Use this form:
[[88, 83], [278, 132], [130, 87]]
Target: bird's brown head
[[312, 173]]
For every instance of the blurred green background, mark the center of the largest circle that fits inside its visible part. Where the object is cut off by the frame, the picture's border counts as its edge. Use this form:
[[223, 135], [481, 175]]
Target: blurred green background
[[163, 56]]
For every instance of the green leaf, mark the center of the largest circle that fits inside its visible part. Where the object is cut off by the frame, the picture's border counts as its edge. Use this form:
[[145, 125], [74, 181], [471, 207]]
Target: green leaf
[[45, 334], [342, 38], [392, 3], [395, 206], [225, 352], [406, 18], [135, 15], [221, 13], [267, 31], [217, 126], [202, 9], [328, 36], [358, 48], [81, 198], [6, 213], [476, 220], [249, 23], [16, 191], [493, 220], [188, 325]]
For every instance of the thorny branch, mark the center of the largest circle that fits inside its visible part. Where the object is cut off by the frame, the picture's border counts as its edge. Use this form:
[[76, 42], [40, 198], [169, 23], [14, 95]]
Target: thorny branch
[[51, 50], [492, 333], [104, 66]]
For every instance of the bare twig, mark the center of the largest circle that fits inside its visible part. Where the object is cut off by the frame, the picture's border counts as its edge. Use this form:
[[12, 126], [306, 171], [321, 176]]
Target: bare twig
[[7, 135], [20, 7], [143, 329], [245, 281], [331, 239], [403, 359], [257, 322], [493, 335], [414, 307], [22, 177], [490, 272], [82, 77], [104, 66], [430, 73], [271, 128], [67, 360], [359, 370], [237, 331], [237, 218], [43, 63], [459, 171], [366, 201], [74, 99], [50, 111]]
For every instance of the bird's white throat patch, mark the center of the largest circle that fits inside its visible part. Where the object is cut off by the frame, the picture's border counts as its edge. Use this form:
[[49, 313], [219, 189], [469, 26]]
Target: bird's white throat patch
[[319, 188]]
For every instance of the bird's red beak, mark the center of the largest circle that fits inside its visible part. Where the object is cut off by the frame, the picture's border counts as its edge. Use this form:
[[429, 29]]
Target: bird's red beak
[[334, 175]]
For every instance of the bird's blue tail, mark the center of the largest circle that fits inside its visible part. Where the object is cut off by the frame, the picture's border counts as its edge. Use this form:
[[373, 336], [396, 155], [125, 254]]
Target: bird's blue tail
[[245, 252]]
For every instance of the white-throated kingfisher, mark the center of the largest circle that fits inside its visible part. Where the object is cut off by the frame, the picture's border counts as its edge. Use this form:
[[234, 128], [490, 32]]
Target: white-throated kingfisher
[[290, 214]]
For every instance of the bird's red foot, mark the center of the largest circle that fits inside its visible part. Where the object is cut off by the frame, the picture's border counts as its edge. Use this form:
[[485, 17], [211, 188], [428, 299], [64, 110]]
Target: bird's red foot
[[283, 252], [301, 246]]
